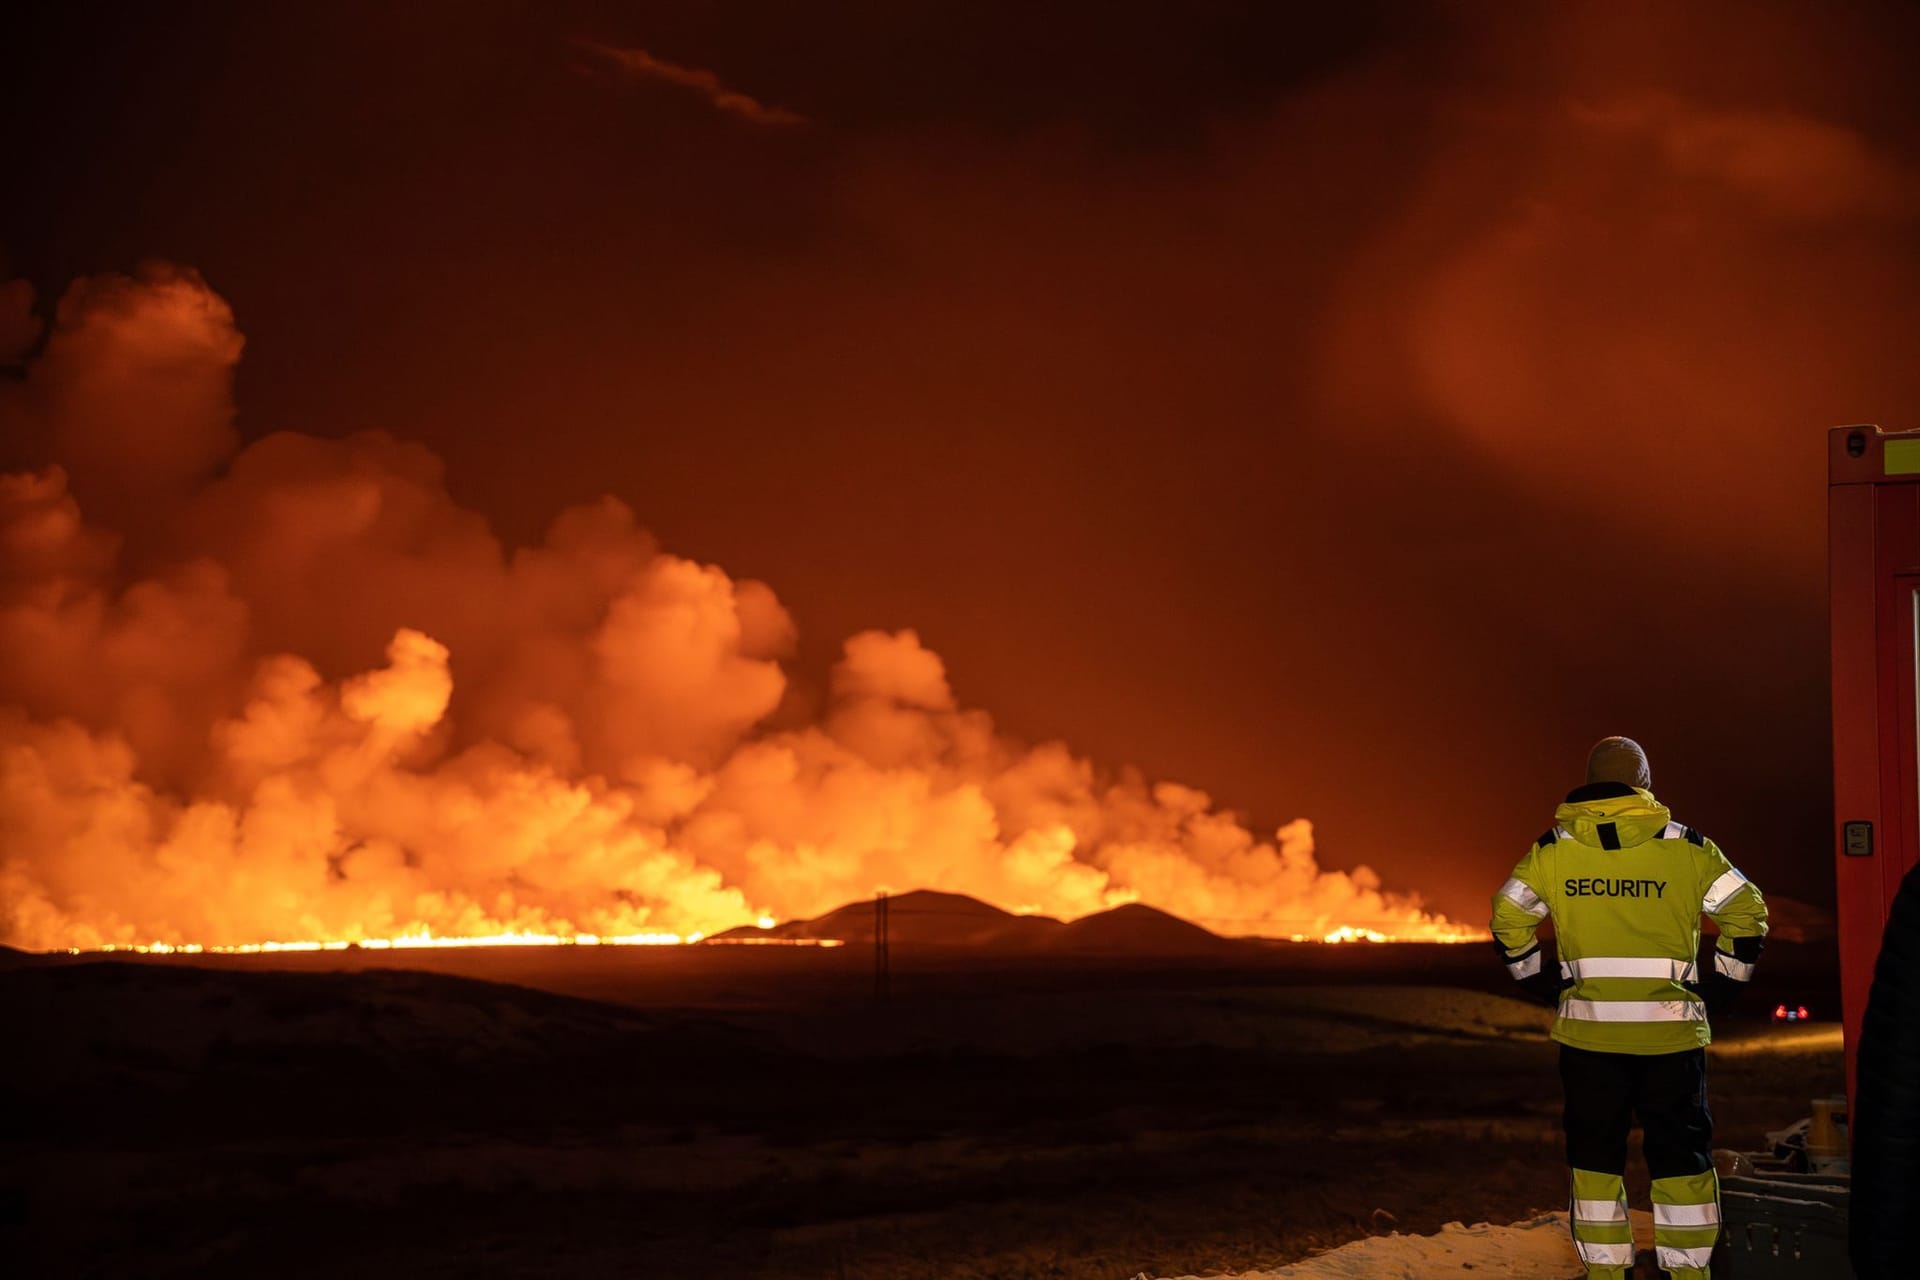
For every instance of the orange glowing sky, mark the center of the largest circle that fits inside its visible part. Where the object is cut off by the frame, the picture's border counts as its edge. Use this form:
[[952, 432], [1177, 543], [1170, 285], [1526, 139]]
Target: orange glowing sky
[[1350, 417]]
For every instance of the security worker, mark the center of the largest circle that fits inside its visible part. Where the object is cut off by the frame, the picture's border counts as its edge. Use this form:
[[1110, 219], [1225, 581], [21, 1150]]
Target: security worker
[[1626, 886]]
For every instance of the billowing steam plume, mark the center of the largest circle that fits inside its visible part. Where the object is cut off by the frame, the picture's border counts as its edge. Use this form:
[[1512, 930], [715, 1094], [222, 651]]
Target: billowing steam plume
[[294, 691]]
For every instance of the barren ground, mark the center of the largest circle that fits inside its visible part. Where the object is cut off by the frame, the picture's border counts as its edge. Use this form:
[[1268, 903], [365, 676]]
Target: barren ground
[[754, 1113]]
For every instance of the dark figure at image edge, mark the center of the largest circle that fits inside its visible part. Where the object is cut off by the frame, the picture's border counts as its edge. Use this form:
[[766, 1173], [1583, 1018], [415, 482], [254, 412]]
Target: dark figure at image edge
[[1626, 886], [1886, 1129]]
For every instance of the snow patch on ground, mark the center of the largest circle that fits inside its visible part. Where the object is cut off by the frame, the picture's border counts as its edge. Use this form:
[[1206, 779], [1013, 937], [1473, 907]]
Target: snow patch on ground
[[1539, 1249]]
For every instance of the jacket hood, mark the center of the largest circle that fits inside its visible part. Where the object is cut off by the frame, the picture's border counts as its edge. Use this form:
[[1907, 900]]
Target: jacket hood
[[1614, 821]]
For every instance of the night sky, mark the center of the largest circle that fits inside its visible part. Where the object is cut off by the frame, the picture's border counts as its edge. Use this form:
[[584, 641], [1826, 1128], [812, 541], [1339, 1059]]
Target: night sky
[[1351, 414]]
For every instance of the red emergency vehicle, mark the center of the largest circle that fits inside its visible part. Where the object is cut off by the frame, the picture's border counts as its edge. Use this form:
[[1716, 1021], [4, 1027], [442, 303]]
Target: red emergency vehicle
[[1873, 564]]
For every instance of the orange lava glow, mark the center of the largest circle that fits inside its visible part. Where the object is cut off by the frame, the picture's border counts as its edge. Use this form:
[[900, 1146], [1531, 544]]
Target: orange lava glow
[[417, 942], [292, 690], [1436, 932]]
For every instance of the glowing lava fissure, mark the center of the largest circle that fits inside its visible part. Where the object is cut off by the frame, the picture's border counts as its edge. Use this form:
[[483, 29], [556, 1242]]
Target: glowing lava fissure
[[422, 942], [427, 942], [294, 691]]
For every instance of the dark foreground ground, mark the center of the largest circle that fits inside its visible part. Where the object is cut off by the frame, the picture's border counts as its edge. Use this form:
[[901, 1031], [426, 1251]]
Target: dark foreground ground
[[755, 1113]]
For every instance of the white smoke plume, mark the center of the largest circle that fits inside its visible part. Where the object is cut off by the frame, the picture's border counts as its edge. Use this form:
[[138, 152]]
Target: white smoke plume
[[295, 691]]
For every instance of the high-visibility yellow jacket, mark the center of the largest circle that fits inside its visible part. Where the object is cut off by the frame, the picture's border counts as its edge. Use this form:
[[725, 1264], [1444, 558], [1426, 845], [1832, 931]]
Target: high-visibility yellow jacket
[[1626, 886]]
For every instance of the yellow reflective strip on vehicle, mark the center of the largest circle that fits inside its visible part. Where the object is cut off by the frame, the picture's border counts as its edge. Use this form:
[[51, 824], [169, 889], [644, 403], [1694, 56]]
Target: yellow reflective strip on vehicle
[[1903, 458]]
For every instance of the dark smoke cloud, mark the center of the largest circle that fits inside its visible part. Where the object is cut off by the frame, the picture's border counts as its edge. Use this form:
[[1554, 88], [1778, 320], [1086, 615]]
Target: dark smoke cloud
[[645, 66]]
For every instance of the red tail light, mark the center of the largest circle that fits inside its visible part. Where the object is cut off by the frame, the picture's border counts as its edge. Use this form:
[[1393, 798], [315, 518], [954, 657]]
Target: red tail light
[[1781, 1012], [1803, 1011]]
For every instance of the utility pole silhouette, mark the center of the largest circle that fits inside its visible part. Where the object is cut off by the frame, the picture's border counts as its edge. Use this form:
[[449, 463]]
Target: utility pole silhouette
[[882, 969]]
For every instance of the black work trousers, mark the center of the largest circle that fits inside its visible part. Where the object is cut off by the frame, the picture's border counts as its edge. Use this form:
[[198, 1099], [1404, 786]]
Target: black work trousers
[[1666, 1091]]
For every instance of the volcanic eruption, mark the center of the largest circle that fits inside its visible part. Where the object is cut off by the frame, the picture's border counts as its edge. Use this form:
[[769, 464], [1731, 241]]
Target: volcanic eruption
[[292, 690]]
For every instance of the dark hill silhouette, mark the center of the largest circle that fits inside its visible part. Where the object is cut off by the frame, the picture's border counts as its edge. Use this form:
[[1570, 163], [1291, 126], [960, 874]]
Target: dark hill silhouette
[[926, 917], [923, 916], [1138, 928]]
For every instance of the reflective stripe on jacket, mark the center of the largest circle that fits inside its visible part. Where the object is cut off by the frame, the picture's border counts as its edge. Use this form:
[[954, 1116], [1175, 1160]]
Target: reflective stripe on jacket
[[1625, 887]]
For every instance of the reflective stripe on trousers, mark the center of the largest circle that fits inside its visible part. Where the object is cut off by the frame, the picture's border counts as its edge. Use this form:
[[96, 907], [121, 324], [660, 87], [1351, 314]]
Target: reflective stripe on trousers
[[1682, 1262], [1599, 1211], [1604, 1255], [1686, 1222], [1686, 1215], [1602, 1234]]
